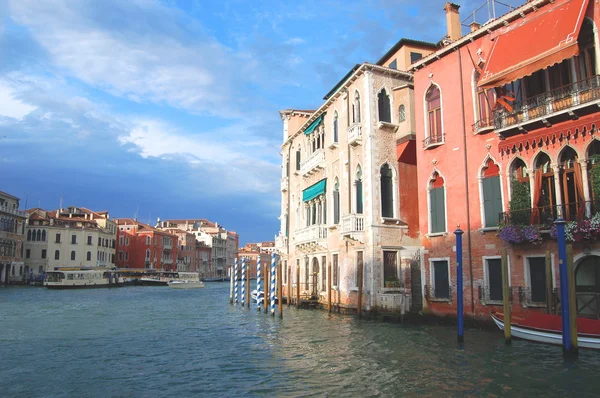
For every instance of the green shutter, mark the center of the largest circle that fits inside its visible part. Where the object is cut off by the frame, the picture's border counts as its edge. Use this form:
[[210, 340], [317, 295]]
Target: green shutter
[[437, 210], [492, 201]]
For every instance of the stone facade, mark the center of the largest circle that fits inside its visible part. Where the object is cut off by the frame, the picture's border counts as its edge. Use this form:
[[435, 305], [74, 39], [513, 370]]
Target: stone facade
[[12, 228]]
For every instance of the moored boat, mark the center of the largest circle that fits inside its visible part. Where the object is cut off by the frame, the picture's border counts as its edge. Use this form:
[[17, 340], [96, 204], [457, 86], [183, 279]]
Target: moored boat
[[185, 284], [547, 328], [81, 279]]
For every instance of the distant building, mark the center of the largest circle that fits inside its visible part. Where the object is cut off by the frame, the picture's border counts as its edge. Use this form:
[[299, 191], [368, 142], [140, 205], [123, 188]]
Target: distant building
[[12, 227], [70, 237], [141, 246], [263, 247], [251, 257]]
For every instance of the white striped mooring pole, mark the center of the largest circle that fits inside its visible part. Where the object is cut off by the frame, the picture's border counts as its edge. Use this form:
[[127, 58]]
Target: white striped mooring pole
[[243, 281], [273, 284], [258, 302], [235, 274]]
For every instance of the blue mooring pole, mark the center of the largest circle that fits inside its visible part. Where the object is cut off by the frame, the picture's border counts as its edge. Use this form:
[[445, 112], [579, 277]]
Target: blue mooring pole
[[564, 286], [459, 285]]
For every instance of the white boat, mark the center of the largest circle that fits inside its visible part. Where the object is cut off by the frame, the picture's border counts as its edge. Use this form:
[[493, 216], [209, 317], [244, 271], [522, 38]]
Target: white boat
[[81, 279], [261, 296], [185, 284], [545, 328]]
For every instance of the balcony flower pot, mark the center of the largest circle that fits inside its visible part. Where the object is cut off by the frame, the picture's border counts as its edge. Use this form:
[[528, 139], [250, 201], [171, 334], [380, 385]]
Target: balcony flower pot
[[391, 283], [562, 103], [536, 111]]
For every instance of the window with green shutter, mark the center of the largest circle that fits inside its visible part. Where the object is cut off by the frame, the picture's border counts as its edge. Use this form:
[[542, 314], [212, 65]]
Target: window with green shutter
[[437, 210], [492, 201]]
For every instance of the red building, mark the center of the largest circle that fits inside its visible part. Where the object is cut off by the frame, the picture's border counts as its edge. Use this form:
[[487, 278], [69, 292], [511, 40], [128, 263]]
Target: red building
[[141, 246], [507, 119]]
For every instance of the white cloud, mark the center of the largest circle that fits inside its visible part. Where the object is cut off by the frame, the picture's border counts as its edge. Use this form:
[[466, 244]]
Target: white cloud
[[295, 41], [10, 106]]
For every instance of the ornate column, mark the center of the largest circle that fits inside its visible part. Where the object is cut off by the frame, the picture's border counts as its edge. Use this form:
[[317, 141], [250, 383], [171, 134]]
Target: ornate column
[[586, 186], [557, 191], [531, 174]]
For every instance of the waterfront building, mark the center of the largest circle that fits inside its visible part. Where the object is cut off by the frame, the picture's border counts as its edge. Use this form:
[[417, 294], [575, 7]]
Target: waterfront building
[[251, 257], [12, 229], [507, 119], [203, 259], [348, 187], [263, 247], [69, 237], [224, 243], [141, 246]]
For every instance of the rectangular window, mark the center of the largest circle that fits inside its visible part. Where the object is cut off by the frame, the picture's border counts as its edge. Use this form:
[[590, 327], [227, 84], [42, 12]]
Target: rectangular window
[[121, 240], [393, 65], [306, 275], [126, 256], [120, 255], [494, 278], [437, 210], [414, 57], [390, 271], [89, 242], [28, 253], [57, 238], [441, 279], [285, 272], [334, 269], [127, 241], [537, 279], [43, 253], [74, 239], [324, 273]]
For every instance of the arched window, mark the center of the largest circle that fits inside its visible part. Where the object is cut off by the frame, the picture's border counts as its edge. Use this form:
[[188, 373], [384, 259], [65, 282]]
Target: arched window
[[148, 241], [437, 204], [387, 192], [383, 102], [29, 235], [335, 127], [585, 63], [57, 254], [39, 235], [356, 108], [486, 98], [148, 254], [571, 182], [544, 194], [43, 235], [434, 114], [298, 158], [359, 191], [336, 202], [401, 113], [72, 255], [89, 256], [492, 196]]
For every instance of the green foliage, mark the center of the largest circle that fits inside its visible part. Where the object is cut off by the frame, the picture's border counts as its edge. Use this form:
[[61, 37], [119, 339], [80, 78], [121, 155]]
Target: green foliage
[[520, 200], [595, 180]]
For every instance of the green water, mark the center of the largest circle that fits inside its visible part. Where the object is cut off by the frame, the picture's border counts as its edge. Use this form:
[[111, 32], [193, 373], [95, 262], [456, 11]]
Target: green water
[[162, 342]]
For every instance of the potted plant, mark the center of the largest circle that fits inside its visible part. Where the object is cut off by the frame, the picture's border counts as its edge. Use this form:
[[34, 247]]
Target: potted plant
[[392, 281]]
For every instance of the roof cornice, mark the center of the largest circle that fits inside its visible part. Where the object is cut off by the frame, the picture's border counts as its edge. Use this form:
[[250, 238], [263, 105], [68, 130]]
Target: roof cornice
[[485, 29]]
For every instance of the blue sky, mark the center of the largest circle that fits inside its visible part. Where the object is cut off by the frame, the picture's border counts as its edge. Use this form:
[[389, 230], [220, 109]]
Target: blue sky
[[170, 108]]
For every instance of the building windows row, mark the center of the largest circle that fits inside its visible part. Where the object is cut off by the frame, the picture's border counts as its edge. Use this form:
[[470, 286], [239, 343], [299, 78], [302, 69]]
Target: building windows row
[[36, 235]]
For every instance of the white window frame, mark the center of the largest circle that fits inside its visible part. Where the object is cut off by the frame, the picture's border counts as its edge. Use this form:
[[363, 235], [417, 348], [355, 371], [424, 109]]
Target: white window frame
[[426, 114], [527, 277], [486, 276], [481, 196], [398, 265]]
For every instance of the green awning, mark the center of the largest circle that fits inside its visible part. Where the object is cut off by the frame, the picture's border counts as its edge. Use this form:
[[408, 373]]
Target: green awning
[[314, 190], [314, 124]]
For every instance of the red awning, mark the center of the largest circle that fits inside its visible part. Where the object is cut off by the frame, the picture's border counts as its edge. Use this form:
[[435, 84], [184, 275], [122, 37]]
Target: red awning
[[541, 39]]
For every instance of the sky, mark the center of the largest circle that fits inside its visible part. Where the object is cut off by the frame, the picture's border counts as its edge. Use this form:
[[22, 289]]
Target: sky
[[150, 108]]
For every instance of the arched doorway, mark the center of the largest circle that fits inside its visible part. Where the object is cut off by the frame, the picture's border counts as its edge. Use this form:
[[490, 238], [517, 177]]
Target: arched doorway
[[315, 277], [587, 286]]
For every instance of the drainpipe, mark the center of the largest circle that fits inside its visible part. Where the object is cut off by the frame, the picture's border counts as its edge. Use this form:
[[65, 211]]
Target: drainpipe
[[462, 108]]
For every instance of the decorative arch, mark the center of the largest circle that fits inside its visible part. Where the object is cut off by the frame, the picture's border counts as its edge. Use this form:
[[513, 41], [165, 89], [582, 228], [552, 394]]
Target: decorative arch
[[38, 235], [564, 151], [29, 234], [43, 235], [356, 107], [388, 194], [491, 194], [534, 162], [401, 113]]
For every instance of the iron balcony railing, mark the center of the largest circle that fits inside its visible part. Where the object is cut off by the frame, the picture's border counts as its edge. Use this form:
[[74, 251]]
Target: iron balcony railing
[[546, 215], [432, 140], [550, 102], [482, 124], [438, 294], [486, 294]]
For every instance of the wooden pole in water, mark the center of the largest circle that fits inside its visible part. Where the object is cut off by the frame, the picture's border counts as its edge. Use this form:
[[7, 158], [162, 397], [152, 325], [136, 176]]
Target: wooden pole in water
[[297, 286], [360, 290], [506, 297], [231, 285], [572, 300], [289, 287], [248, 286], [329, 287], [549, 295], [279, 289], [267, 289]]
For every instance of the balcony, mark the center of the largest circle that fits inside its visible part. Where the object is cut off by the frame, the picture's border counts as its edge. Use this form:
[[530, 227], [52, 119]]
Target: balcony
[[284, 184], [312, 238], [354, 134], [567, 102], [433, 141], [482, 125], [281, 243], [544, 216], [353, 226], [18, 213], [314, 163]]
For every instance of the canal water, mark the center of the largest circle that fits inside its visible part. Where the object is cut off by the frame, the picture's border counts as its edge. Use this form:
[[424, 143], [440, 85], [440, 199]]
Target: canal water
[[162, 342]]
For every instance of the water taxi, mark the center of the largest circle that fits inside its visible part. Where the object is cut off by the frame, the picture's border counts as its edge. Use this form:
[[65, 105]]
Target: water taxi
[[81, 279], [185, 284]]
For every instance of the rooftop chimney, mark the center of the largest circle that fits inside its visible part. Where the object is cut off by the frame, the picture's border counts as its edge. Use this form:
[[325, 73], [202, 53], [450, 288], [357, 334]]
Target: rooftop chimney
[[453, 21], [474, 26]]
